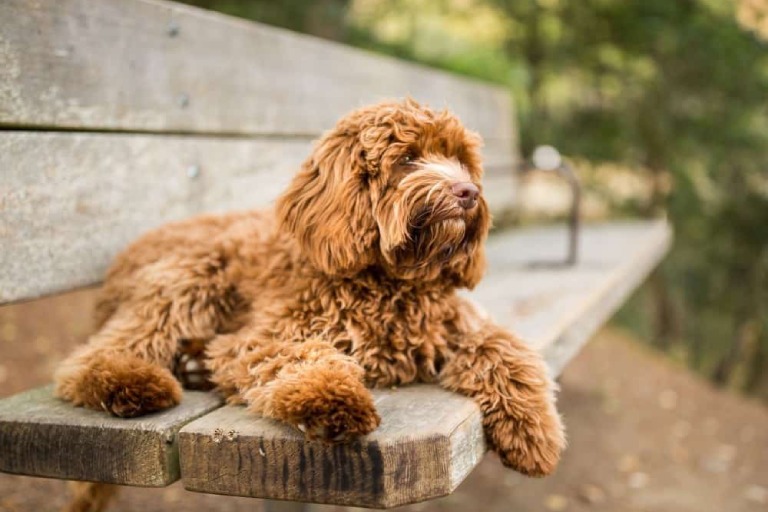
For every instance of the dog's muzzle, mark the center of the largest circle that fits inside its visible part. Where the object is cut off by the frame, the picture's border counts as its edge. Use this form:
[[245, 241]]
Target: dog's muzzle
[[466, 192]]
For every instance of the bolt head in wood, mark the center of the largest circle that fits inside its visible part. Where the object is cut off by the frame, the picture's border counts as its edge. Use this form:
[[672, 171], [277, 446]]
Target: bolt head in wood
[[193, 171]]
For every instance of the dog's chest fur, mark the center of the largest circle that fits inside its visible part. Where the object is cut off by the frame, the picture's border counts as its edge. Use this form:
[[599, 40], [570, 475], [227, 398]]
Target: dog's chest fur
[[399, 332]]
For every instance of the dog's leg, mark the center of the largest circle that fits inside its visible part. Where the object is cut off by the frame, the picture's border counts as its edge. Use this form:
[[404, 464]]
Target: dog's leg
[[90, 497], [509, 382], [117, 380], [307, 384], [124, 367]]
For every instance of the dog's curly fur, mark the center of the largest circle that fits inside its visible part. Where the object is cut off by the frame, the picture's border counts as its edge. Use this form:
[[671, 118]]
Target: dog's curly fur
[[349, 283]]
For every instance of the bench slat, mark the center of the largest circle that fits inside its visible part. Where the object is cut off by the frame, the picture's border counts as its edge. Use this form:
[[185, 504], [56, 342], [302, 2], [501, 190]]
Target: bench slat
[[140, 65], [557, 308], [43, 436], [429, 440], [70, 201]]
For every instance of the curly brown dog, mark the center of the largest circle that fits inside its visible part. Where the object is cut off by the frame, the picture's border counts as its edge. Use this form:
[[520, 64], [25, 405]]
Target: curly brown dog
[[348, 283]]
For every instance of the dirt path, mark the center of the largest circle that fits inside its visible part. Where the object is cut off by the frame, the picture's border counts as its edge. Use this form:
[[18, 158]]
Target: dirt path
[[644, 435]]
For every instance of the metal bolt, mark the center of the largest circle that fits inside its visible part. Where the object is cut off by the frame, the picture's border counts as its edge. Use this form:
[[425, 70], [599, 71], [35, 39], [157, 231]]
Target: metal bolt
[[193, 171], [173, 29]]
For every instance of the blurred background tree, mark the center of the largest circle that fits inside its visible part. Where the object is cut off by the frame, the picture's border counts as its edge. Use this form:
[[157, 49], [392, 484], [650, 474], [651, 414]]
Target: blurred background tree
[[674, 93]]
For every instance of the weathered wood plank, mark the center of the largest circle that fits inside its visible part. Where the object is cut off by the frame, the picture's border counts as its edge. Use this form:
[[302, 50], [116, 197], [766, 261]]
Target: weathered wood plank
[[43, 436], [70, 201], [142, 65], [557, 308], [427, 443]]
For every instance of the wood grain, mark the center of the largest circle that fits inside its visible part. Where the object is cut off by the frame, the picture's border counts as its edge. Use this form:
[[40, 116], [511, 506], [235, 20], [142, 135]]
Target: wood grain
[[556, 308], [427, 443], [69, 202], [43, 436], [140, 65]]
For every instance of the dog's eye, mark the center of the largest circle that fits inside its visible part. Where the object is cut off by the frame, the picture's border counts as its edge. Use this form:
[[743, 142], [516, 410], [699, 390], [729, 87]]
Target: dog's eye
[[406, 159]]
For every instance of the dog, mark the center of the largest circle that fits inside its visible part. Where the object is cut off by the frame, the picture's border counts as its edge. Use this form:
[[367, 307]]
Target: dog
[[349, 283]]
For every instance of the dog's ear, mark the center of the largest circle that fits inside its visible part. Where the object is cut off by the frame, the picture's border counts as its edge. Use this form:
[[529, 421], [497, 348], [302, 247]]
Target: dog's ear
[[327, 207]]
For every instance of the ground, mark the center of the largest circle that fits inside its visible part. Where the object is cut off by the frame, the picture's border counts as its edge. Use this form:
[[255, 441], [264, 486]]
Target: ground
[[645, 435]]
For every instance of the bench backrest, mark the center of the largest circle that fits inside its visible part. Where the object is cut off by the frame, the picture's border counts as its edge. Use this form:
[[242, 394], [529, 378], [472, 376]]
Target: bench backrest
[[119, 115]]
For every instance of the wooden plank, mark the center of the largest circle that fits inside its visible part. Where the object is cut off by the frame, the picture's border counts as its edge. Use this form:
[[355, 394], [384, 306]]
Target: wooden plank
[[141, 65], [557, 308], [427, 443], [43, 436], [70, 201]]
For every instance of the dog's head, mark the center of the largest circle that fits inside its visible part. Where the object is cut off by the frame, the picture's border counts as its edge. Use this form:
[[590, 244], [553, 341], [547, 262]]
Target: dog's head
[[395, 186]]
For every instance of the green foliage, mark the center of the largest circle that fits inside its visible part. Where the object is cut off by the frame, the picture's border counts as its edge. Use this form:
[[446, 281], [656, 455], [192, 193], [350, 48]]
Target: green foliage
[[676, 91]]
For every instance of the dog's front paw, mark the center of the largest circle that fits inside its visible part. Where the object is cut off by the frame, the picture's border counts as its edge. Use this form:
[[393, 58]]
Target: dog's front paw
[[326, 404], [123, 385], [141, 392], [532, 444]]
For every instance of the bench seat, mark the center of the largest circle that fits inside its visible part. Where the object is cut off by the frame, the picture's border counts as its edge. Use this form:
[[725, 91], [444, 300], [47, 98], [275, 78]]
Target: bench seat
[[429, 439], [41, 435], [117, 116]]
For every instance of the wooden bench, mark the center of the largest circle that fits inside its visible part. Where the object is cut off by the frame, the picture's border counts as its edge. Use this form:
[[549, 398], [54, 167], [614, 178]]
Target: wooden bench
[[120, 115]]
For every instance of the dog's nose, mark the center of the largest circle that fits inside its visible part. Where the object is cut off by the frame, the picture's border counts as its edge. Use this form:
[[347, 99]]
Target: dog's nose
[[467, 193]]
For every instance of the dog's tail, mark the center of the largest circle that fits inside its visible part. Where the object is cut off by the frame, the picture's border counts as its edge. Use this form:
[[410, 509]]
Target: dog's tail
[[90, 497]]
